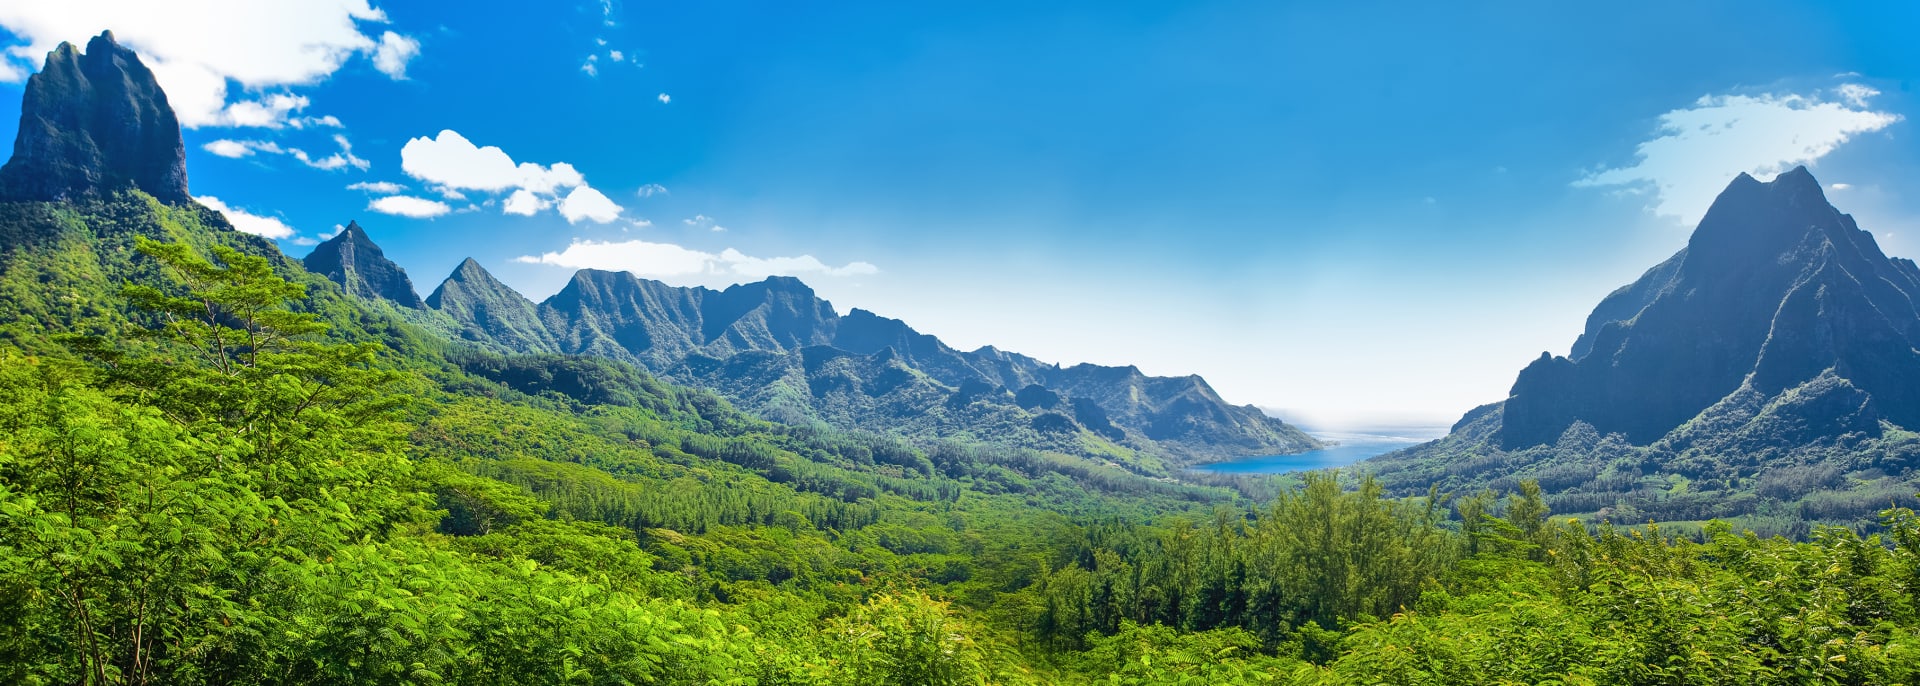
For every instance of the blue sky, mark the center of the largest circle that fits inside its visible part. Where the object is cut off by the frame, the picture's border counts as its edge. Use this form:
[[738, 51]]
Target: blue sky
[[1362, 211]]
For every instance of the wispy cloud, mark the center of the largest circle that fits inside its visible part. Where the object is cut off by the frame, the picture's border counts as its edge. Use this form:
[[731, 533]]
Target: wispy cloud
[[379, 187], [701, 221], [409, 206], [243, 148], [1699, 149], [666, 259], [248, 222]]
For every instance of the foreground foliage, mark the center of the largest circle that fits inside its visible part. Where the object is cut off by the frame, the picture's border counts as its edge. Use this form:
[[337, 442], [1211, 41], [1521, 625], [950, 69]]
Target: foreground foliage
[[230, 473]]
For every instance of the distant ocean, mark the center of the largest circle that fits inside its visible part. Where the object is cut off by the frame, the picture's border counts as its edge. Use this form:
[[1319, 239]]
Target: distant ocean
[[1351, 448]]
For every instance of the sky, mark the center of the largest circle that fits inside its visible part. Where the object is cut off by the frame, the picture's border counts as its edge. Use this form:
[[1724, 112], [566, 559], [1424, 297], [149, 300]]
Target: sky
[[1362, 213]]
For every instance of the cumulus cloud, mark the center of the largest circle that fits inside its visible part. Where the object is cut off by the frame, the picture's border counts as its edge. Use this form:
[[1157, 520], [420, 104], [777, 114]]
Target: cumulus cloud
[[651, 190], [247, 222], [664, 98], [409, 206], [666, 259], [282, 45], [450, 161], [523, 202], [393, 53], [1701, 148], [377, 187], [587, 204], [1840, 186]]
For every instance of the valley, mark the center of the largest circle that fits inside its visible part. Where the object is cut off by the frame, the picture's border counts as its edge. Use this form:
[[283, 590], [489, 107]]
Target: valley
[[221, 464]]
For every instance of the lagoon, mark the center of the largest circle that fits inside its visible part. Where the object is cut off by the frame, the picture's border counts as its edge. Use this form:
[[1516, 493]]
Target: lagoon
[[1350, 448]]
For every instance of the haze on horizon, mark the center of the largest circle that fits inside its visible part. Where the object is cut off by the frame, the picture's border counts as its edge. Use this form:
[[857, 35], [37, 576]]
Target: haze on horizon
[[1361, 222]]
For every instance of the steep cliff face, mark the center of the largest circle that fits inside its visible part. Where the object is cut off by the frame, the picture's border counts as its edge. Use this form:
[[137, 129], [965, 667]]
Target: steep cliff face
[[1775, 288], [92, 123], [352, 260], [1767, 373]]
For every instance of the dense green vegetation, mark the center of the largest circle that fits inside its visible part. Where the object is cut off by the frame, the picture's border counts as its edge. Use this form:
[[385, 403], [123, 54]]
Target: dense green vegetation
[[228, 471], [1748, 462]]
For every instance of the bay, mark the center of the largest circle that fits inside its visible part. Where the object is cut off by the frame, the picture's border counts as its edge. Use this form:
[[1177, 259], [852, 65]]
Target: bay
[[1349, 448]]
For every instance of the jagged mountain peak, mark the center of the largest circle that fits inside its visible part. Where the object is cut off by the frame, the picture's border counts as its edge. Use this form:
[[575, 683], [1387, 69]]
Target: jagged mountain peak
[[354, 261], [94, 123], [1774, 287], [777, 345]]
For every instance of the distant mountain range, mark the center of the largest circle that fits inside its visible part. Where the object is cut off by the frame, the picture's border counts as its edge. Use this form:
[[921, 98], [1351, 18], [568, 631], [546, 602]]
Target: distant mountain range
[[1767, 371], [95, 124], [777, 348]]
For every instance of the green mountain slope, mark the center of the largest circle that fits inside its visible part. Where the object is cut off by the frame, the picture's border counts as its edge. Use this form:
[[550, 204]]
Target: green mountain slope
[[1767, 373], [778, 327], [217, 467]]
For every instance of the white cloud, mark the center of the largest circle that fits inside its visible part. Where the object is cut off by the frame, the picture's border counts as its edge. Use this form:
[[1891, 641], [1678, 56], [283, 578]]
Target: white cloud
[[259, 45], [451, 163], [393, 53], [1701, 148], [336, 161], [303, 240], [1840, 186], [651, 190], [228, 148], [247, 222], [339, 160], [1855, 94], [269, 112], [616, 56], [665, 259], [664, 98], [523, 202], [377, 187], [585, 203], [451, 160], [704, 222], [328, 121], [409, 206], [337, 228]]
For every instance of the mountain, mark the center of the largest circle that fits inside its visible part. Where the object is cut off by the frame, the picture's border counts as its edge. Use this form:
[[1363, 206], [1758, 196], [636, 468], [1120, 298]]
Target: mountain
[[94, 122], [210, 477], [1771, 360], [352, 260], [490, 311], [776, 347]]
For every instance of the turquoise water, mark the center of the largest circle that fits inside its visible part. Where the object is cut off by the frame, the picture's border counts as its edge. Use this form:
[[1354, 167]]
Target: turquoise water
[[1353, 447]]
